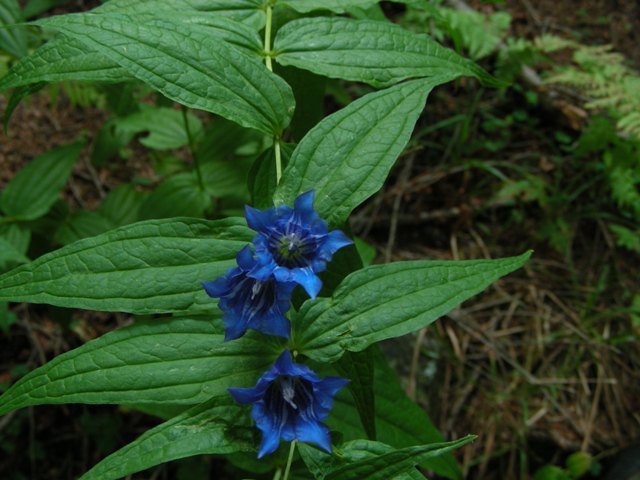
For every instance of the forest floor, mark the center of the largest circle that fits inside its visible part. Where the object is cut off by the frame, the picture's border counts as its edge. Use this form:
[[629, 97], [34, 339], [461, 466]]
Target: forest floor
[[542, 364]]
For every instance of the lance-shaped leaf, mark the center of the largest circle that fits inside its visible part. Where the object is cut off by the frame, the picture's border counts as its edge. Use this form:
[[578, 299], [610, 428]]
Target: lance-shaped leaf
[[378, 53], [400, 422], [348, 155], [61, 59], [217, 426], [358, 367], [186, 66], [373, 460], [249, 12], [147, 267], [337, 6], [174, 361], [33, 191], [385, 301], [65, 58]]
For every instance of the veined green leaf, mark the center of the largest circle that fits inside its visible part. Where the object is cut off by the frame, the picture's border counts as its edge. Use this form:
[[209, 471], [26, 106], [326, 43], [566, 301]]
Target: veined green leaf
[[10, 255], [61, 59], [18, 235], [374, 460], [32, 192], [217, 426], [12, 40], [65, 58], [121, 205], [400, 422], [36, 7], [358, 367], [249, 12], [385, 301], [166, 127], [147, 267], [337, 6], [186, 66], [175, 361], [378, 53], [179, 195], [348, 155], [82, 224]]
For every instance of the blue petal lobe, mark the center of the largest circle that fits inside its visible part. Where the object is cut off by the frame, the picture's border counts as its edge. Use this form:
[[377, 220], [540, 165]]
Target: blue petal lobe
[[245, 395], [304, 202], [270, 442], [260, 220], [315, 432], [309, 281], [245, 258]]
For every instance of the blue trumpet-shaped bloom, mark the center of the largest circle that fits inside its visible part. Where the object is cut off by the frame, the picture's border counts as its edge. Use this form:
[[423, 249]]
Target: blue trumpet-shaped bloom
[[247, 302], [290, 401], [293, 244]]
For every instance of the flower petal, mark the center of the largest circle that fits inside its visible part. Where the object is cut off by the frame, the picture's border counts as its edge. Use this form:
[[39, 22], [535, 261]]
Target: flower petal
[[260, 220], [314, 432], [245, 258], [245, 395]]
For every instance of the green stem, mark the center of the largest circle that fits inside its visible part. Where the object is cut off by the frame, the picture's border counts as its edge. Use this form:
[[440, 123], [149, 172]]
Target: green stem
[[290, 460], [192, 148], [278, 474], [278, 160], [267, 37]]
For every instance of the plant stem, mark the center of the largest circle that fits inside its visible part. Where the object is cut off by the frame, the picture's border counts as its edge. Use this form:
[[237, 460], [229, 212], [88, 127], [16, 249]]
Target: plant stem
[[267, 60], [278, 160], [278, 474], [290, 460], [192, 148], [267, 37]]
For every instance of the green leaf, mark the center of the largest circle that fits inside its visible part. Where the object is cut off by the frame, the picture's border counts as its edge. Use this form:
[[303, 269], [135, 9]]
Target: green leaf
[[378, 53], [218, 426], [348, 155], [61, 59], [18, 235], [249, 12], [400, 422], [10, 256], [148, 267], [358, 367], [337, 6], [165, 126], [262, 176], [81, 225], [177, 361], [179, 195], [386, 301], [373, 460], [12, 39], [32, 192], [121, 205], [186, 66], [36, 7], [16, 97]]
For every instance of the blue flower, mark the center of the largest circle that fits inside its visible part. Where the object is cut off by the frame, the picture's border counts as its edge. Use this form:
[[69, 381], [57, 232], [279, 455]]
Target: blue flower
[[293, 244], [250, 303], [289, 401]]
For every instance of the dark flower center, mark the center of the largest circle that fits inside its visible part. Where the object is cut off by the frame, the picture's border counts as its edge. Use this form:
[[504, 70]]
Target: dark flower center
[[293, 248], [254, 296], [289, 397]]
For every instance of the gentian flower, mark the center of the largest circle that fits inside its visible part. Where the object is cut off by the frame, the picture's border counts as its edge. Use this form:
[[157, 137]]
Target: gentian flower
[[293, 244], [289, 401], [250, 303]]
